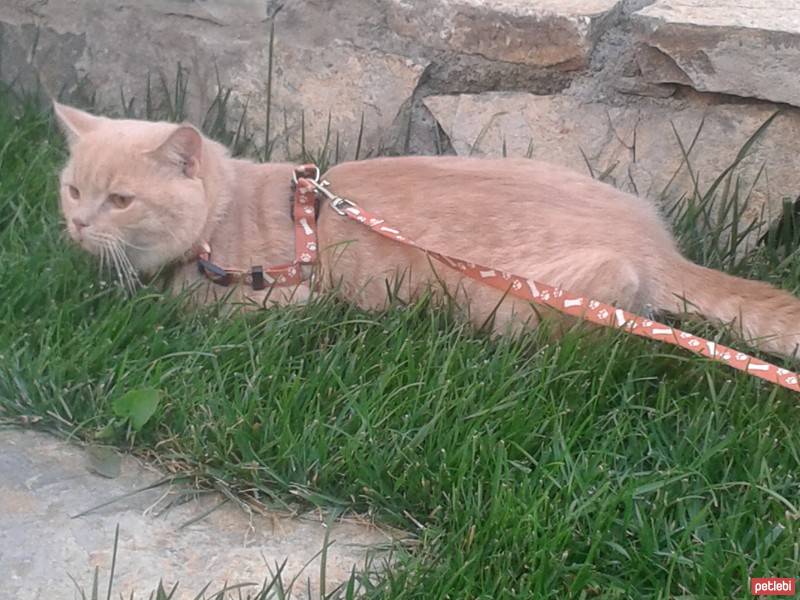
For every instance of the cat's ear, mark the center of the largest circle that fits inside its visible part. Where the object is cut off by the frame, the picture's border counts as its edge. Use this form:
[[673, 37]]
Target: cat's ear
[[73, 122], [183, 148]]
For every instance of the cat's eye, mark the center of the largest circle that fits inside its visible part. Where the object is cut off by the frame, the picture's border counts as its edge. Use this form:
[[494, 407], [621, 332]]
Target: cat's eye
[[120, 200], [74, 192]]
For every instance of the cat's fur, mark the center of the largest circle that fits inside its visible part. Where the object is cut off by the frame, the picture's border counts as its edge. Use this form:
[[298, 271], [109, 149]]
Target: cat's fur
[[534, 219]]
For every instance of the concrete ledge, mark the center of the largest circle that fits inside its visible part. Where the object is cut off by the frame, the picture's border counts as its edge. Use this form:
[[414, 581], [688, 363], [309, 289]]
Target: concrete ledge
[[44, 480]]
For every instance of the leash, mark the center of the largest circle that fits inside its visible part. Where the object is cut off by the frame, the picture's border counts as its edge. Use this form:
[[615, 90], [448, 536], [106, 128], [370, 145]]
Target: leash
[[571, 304], [305, 206]]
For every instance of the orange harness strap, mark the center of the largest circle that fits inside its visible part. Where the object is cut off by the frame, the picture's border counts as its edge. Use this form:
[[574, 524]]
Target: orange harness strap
[[571, 304], [304, 211]]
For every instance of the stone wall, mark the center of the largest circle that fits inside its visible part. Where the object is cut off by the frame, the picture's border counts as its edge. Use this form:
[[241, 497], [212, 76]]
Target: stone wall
[[618, 87]]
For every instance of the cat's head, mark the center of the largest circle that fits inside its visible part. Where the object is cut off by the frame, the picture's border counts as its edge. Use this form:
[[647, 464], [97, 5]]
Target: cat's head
[[132, 190]]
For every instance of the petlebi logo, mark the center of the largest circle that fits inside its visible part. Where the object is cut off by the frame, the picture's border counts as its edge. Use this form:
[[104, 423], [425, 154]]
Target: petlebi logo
[[772, 586]]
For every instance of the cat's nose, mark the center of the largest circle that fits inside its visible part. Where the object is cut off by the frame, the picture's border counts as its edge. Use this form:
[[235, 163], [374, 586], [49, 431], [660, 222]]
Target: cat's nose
[[79, 223]]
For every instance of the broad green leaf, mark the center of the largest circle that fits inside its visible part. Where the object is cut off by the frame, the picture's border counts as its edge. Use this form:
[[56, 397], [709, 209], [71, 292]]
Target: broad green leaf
[[137, 405]]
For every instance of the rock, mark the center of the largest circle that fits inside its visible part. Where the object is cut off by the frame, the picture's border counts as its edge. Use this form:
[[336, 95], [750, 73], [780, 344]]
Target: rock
[[335, 63], [345, 79], [43, 481], [316, 73], [541, 33], [637, 87], [633, 147], [135, 40], [749, 49]]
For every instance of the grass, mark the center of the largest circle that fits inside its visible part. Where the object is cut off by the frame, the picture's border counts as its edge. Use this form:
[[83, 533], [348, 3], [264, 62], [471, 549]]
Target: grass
[[600, 466]]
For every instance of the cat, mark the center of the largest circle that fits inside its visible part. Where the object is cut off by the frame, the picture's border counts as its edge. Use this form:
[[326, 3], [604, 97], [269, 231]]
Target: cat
[[143, 194]]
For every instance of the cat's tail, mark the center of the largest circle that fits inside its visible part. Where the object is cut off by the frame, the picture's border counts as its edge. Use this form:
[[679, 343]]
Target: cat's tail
[[763, 314]]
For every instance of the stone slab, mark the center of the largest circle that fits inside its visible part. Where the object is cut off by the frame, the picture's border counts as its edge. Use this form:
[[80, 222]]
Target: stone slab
[[43, 481], [340, 82], [739, 47], [542, 33], [103, 50], [633, 147]]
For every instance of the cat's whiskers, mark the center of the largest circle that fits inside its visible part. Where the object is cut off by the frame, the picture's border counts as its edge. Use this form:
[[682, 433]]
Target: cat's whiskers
[[130, 270], [125, 267], [112, 249], [116, 267], [105, 254], [135, 247]]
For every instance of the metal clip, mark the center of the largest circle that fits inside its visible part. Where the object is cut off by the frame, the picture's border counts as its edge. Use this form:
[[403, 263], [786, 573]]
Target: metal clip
[[338, 203]]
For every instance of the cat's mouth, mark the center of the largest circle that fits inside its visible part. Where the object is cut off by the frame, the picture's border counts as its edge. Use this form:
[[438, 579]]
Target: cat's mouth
[[85, 240], [76, 236]]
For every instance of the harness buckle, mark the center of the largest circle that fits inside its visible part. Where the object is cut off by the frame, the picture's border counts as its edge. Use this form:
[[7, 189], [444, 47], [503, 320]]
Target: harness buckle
[[303, 170], [257, 280]]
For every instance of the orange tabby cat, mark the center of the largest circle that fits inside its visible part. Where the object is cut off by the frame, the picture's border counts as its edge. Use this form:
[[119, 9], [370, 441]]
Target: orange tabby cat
[[142, 194]]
